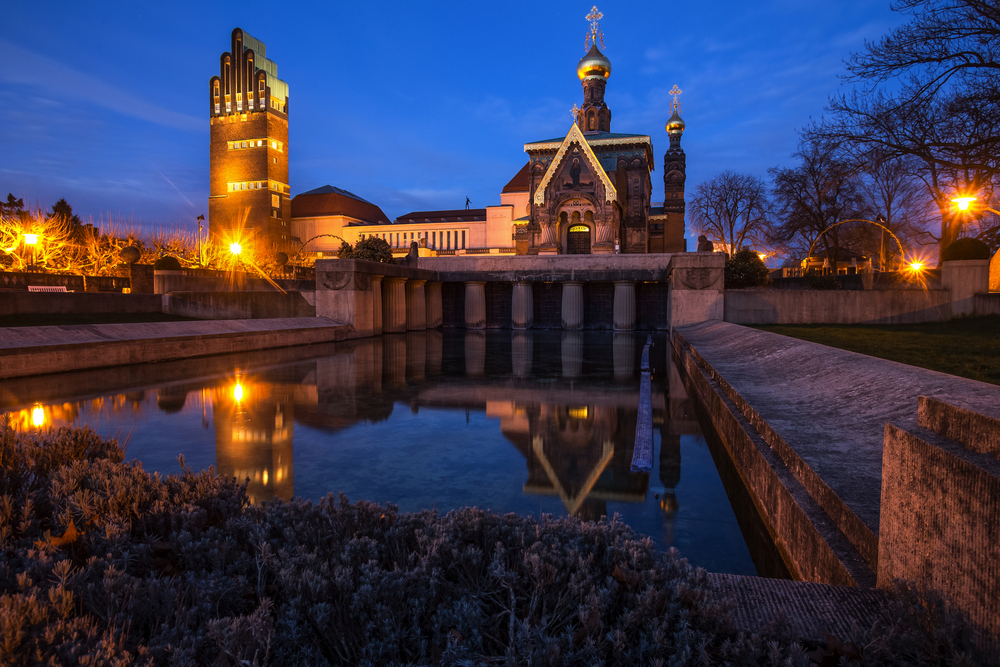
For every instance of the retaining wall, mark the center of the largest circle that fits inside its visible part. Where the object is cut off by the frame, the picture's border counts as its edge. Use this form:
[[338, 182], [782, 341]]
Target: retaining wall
[[239, 305], [763, 306], [940, 503], [58, 303], [204, 280]]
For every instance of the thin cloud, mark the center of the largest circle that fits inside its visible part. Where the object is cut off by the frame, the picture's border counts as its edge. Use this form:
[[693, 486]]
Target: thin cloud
[[25, 68]]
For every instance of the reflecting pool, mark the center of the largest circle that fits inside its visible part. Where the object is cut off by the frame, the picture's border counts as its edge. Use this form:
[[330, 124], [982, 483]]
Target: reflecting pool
[[528, 422]]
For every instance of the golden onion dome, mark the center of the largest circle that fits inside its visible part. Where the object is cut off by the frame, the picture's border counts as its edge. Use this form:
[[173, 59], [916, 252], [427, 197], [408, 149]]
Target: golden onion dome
[[594, 63], [675, 123]]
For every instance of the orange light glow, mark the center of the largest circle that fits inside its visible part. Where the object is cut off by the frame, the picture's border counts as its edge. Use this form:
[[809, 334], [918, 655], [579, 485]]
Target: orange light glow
[[963, 202], [916, 267], [31, 239], [238, 392], [265, 476], [235, 248], [38, 416]]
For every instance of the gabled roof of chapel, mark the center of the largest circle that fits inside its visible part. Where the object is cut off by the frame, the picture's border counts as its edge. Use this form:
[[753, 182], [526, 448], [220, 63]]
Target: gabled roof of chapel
[[594, 138], [577, 136]]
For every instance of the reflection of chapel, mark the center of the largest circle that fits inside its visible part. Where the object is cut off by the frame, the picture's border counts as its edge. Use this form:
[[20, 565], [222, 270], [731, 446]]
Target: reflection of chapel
[[586, 192]]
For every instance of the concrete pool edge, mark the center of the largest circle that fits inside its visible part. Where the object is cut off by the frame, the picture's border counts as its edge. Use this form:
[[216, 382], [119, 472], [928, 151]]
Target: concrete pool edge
[[59, 349]]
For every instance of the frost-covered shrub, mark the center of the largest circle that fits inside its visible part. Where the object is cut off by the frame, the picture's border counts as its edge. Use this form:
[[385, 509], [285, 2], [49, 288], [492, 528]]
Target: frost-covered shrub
[[104, 563]]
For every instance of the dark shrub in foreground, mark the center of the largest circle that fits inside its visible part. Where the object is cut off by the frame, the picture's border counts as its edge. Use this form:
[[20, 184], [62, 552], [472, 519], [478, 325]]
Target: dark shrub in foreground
[[106, 564], [167, 263]]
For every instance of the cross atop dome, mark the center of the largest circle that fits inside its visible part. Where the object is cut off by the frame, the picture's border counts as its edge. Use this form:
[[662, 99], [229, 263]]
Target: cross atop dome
[[594, 17], [676, 104]]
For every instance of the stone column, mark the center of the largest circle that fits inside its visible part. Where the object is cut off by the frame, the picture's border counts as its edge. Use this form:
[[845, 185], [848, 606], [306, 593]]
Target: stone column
[[416, 306], [522, 308], [475, 305], [475, 353], [393, 305], [624, 311], [572, 305], [376, 305], [572, 354], [623, 353], [432, 298], [521, 352]]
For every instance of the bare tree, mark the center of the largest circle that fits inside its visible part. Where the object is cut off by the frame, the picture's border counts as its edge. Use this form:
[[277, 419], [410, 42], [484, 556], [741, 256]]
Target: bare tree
[[732, 209], [812, 197]]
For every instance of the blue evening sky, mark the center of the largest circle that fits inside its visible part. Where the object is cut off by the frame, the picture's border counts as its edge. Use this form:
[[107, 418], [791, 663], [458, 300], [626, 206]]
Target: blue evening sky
[[409, 105]]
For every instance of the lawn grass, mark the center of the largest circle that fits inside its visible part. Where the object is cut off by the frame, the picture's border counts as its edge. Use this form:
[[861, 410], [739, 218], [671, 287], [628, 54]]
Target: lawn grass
[[967, 347], [63, 319]]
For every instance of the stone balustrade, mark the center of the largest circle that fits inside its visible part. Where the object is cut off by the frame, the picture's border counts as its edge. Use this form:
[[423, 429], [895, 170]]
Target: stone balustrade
[[618, 292]]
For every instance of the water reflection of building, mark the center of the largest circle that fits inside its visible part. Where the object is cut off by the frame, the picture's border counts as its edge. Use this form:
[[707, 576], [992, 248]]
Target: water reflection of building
[[253, 436], [581, 453]]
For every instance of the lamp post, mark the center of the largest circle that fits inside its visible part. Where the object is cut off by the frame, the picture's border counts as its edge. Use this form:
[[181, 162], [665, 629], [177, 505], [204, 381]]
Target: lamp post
[[31, 240], [201, 257]]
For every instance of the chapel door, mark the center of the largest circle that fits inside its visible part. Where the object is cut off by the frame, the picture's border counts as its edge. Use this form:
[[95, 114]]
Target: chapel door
[[578, 240]]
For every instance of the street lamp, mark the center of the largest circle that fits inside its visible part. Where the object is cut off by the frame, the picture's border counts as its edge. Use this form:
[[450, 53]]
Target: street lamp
[[31, 240], [235, 248], [201, 257]]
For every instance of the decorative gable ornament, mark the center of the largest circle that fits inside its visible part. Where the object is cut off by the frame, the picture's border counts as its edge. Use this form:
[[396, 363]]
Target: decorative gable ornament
[[575, 135]]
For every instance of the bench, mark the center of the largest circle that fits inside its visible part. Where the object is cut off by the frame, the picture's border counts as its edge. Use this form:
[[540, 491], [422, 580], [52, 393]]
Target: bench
[[46, 288]]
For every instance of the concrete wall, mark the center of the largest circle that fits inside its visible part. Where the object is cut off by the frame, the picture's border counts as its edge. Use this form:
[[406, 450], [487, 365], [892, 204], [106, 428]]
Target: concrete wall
[[763, 306], [239, 305], [965, 279], [940, 503], [199, 280], [21, 281], [56, 303], [988, 304]]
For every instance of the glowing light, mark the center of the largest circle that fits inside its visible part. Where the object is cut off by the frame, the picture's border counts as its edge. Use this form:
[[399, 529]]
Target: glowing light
[[916, 267], [265, 476], [963, 202], [31, 239], [762, 256], [38, 416], [235, 248], [238, 392]]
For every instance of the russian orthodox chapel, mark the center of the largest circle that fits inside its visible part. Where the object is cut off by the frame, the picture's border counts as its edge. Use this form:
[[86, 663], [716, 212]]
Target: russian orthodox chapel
[[590, 191]]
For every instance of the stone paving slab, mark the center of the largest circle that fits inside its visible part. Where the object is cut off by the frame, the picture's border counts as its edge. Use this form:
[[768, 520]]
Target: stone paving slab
[[830, 405], [808, 608]]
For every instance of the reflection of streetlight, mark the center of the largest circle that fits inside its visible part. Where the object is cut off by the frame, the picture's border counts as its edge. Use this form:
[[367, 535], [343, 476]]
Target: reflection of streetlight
[[38, 416], [238, 392], [31, 240]]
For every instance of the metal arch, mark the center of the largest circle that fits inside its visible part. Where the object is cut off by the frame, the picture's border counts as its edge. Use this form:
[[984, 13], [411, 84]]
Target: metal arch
[[318, 236], [902, 252]]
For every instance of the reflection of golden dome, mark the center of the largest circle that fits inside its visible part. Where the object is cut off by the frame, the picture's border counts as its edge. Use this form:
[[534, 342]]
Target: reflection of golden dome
[[675, 123], [594, 64], [669, 504]]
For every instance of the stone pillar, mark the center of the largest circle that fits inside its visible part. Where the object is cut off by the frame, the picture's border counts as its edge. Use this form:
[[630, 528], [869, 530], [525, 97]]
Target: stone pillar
[[624, 311], [623, 352], [475, 305], [475, 353], [376, 305], [965, 279], [416, 306], [521, 352], [572, 354], [394, 305], [432, 298], [572, 305], [522, 308]]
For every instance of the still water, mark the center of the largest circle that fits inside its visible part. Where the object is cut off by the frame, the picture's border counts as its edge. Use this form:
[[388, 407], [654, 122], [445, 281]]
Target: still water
[[527, 422]]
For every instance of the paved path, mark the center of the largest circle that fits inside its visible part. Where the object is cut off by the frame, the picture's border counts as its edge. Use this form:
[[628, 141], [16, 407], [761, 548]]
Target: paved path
[[830, 405]]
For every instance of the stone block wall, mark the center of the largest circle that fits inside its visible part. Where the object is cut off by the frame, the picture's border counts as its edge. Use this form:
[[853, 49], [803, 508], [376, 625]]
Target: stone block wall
[[547, 298], [598, 305], [498, 305], [940, 517], [651, 313], [141, 278]]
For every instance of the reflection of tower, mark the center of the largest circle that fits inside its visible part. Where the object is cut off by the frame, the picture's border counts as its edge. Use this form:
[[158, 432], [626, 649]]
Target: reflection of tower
[[253, 436], [670, 477]]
